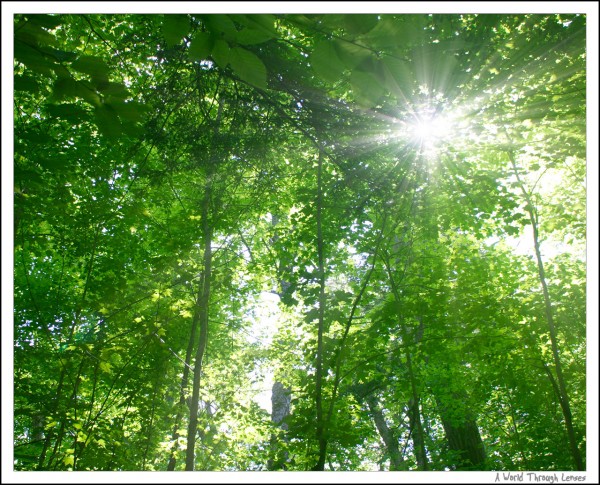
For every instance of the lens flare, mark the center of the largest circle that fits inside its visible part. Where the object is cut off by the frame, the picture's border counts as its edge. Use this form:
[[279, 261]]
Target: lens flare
[[429, 130]]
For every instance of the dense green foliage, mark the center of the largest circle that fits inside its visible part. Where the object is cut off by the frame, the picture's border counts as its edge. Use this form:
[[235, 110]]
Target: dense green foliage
[[203, 201]]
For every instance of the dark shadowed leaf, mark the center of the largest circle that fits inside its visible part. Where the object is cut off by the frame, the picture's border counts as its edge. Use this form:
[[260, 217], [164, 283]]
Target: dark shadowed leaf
[[253, 36], [117, 90], [33, 58], [92, 65], [131, 111], [26, 83], [174, 28], [73, 113], [108, 122], [201, 46]]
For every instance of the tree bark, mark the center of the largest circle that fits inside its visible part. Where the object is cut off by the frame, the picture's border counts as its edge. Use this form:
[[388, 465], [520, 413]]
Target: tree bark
[[280, 409], [462, 434], [387, 435]]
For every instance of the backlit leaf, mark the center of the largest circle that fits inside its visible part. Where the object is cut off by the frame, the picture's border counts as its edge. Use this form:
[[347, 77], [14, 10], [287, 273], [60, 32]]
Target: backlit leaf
[[326, 62], [248, 67], [221, 26], [221, 53]]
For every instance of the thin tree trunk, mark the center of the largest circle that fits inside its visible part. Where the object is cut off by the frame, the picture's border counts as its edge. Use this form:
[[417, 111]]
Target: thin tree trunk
[[415, 419], [320, 466], [184, 380], [414, 412], [203, 324], [150, 427], [563, 396]]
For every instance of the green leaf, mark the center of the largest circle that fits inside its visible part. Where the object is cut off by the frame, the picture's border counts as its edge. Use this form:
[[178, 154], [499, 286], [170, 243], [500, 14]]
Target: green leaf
[[65, 88], [359, 23], [113, 89], [175, 27], [45, 20], [395, 76], [332, 21], [59, 55], [265, 22], [221, 26], [26, 83], [365, 88], [201, 46], [33, 34], [33, 59], [248, 67], [130, 111], [392, 33], [221, 53], [185, 313], [312, 315], [105, 366], [69, 460], [253, 36], [351, 54], [301, 20], [108, 122], [68, 88], [326, 62], [92, 65], [73, 113]]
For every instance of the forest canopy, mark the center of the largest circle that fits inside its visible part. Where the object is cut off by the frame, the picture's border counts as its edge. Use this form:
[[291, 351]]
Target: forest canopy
[[342, 242]]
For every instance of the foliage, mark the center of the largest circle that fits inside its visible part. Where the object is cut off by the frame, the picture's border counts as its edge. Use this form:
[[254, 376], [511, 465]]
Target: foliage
[[282, 148]]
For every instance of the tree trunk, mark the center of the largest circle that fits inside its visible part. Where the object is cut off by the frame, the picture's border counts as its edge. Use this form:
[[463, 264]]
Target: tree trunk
[[462, 434], [387, 435], [184, 381], [415, 420], [563, 397], [280, 409], [320, 466], [202, 309]]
